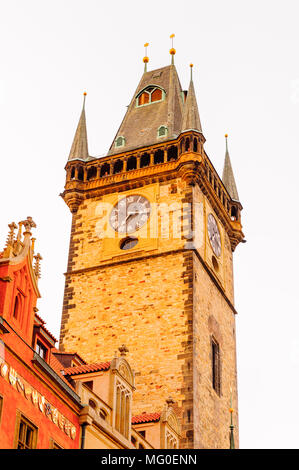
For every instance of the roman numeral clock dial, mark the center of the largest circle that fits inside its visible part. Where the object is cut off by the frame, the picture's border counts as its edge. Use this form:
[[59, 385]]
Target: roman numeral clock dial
[[214, 235], [130, 214]]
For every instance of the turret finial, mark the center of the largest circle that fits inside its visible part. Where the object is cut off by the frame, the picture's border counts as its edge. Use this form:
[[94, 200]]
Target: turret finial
[[172, 50], [145, 58], [84, 99], [191, 68], [226, 136]]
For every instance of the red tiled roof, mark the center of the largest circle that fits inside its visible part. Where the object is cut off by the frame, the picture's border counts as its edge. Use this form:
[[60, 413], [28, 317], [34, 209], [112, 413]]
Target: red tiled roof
[[87, 368], [146, 418]]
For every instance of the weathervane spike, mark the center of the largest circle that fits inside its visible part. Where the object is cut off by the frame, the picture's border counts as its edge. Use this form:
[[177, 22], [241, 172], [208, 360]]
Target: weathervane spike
[[172, 50], [145, 58], [84, 94]]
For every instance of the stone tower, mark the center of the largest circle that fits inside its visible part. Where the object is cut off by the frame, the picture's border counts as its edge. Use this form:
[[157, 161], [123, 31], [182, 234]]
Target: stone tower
[[151, 259]]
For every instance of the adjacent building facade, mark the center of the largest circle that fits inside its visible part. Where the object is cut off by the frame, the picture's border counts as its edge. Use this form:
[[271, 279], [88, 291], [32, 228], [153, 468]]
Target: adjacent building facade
[[52, 399]]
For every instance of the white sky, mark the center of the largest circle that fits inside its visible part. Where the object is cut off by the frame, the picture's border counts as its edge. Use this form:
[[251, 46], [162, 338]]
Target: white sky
[[246, 75]]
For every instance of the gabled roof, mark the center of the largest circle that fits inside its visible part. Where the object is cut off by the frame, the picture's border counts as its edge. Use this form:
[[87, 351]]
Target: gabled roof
[[141, 123], [85, 369], [146, 418]]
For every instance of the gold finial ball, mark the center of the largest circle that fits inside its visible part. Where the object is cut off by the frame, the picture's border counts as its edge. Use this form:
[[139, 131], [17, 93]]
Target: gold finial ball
[[84, 93], [226, 135], [172, 51], [191, 65], [145, 59], [231, 410]]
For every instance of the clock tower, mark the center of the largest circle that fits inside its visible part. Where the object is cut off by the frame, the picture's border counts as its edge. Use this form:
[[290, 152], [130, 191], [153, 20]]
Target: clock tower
[[150, 262]]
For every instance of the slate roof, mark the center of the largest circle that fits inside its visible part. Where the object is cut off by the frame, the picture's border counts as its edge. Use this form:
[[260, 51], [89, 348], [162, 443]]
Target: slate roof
[[140, 124]]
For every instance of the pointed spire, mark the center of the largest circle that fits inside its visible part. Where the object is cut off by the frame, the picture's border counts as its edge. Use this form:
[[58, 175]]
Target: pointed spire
[[228, 178], [191, 119], [79, 150]]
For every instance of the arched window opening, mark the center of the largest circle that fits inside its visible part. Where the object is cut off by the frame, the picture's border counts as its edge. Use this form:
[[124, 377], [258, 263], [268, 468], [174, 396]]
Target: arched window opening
[[195, 144], [144, 160], [144, 98], [132, 163], [73, 173], [105, 170], [92, 404], [182, 145], [234, 213], [17, 307], [103, 414], [80, 173], [118, 167], [133, 440], [156, 95], [120, 141], [150, 95], [91, 173], [162, 131], [158, 156], [172, 153], [187, 145]]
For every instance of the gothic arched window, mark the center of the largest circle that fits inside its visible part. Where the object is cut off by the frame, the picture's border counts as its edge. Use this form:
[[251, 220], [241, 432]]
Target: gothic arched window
[[122, 409]]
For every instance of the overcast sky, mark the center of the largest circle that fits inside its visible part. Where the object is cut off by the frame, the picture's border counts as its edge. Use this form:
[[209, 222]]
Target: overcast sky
[[246, 76]]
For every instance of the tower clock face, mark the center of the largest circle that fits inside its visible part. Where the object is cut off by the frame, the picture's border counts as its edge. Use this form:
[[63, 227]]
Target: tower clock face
[[130, 214], [214, 235]]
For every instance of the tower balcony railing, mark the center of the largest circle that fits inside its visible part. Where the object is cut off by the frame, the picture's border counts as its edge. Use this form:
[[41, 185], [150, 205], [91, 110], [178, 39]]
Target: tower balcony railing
[[116, 168]]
